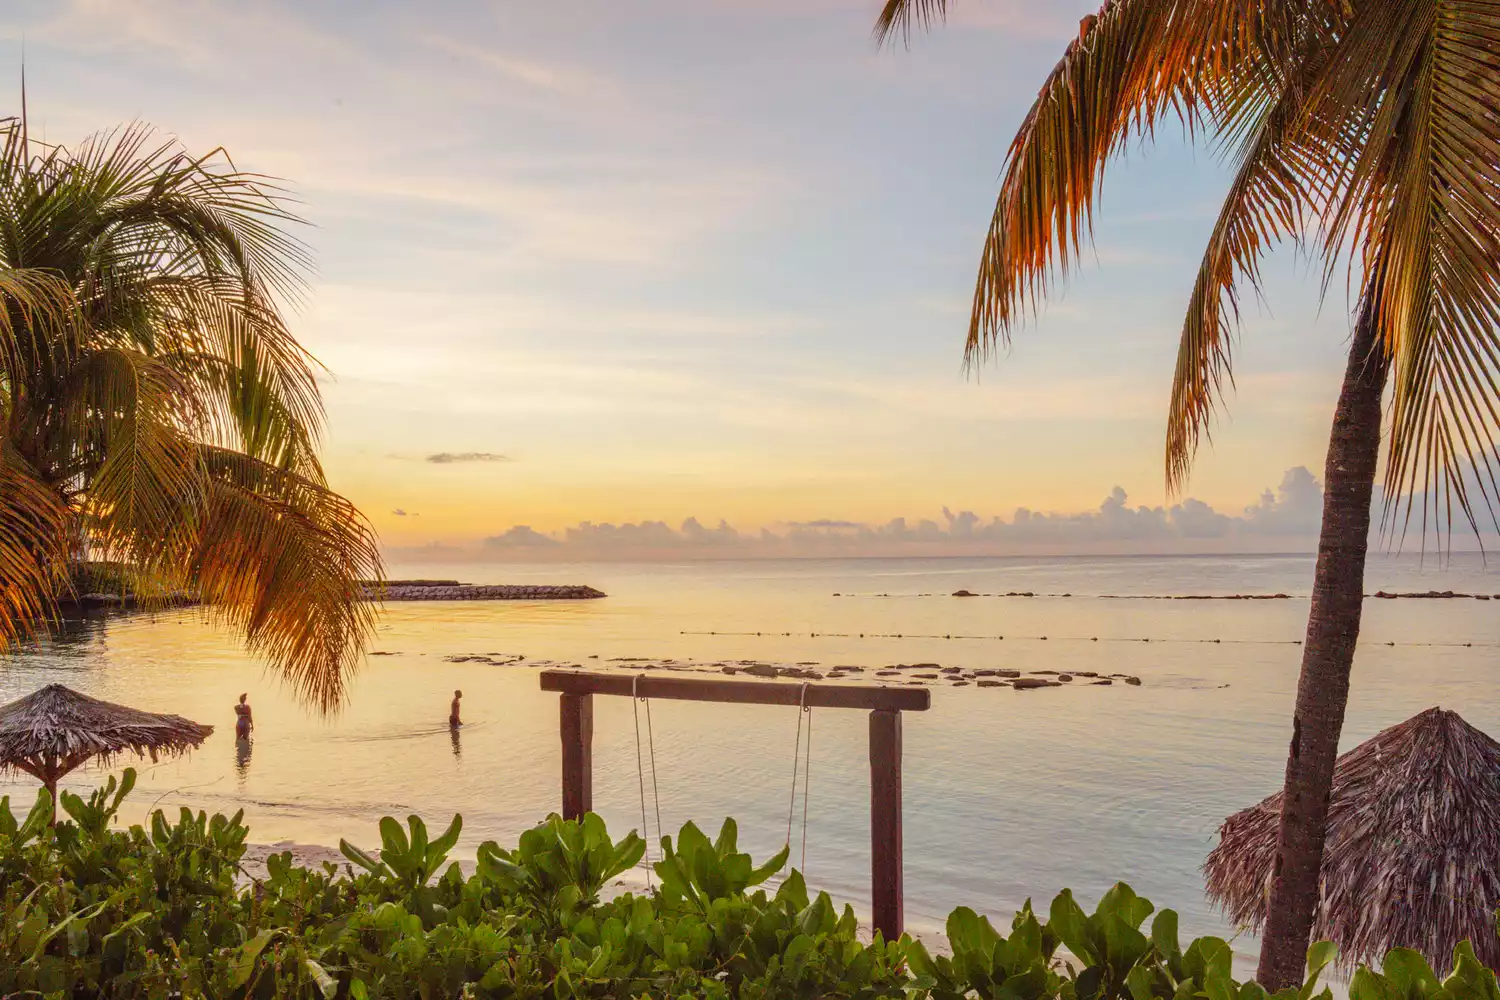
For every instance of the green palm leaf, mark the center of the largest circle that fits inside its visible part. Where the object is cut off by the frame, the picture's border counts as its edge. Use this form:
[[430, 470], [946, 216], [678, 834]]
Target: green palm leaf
[[157, 409]]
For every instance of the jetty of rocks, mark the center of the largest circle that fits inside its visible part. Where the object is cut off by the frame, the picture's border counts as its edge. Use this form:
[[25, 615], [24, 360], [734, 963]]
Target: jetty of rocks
[[452, 590]]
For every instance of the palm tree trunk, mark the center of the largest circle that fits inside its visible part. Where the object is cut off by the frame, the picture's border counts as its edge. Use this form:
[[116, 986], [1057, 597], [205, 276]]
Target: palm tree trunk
[[1327, 659]]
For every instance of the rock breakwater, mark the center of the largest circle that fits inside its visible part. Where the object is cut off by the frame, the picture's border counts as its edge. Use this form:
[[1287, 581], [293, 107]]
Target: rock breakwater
[[446, 591]]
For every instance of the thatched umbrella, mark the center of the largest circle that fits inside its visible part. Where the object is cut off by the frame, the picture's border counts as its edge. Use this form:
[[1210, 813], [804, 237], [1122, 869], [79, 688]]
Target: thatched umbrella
[[52, 731], [1413, 850]]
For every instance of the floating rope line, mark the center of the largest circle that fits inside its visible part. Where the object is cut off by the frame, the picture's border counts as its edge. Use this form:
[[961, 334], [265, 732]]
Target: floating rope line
[[1073, 638]]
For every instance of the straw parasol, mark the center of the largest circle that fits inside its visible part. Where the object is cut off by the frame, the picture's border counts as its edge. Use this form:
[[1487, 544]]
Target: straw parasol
[[52, 731], [1413, 850]]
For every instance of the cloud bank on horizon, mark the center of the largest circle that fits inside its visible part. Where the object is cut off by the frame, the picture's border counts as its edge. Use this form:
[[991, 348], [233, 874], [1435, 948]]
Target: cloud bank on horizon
[[464, 457], [1284, 518]]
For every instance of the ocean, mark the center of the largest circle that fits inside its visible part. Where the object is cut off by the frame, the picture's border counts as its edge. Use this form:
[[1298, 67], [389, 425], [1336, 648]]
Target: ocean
[[1009, 795]]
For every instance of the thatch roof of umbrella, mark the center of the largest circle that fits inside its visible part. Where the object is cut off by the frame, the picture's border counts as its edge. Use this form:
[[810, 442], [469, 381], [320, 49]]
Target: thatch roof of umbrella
[[54, 730], [1413, 851]]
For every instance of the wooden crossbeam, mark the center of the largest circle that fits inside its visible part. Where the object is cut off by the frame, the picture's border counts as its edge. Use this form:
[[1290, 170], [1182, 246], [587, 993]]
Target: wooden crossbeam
[[872, 697]]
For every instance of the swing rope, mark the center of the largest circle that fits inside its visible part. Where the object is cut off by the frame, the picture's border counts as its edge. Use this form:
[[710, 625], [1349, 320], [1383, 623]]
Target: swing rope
[[801, 760], [651, 747], [803, 708], [806, 780], [640, 770]]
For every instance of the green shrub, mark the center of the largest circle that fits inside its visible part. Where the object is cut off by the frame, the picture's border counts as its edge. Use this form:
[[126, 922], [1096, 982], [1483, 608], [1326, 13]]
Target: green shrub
[[162, 910]]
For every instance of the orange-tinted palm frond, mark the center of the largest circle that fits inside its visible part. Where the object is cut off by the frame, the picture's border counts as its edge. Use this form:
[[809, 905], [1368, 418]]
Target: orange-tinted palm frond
[[38, 320], [899, 17], [1135, 62], [33, 548], [1422, 207], [282, 557], [1269, 201]]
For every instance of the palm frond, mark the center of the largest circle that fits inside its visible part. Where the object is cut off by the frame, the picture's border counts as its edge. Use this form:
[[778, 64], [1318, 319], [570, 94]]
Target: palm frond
[[1422, 207], [159, 405], [899, 17], [282, 558], [1269, 200], [34, 544], [38, 320], [146, 482], [1134, 63], [273, 389]]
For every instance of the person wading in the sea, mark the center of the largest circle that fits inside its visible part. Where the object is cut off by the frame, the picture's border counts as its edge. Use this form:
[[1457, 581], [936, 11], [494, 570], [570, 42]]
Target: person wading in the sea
[[453, 720], [243, 722]]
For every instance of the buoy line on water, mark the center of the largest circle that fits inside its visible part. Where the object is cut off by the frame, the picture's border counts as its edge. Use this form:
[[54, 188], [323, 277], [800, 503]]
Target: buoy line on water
[[1068, 638]]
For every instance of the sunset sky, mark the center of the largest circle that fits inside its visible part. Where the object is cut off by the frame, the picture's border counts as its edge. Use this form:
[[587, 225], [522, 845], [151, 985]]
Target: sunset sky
[[665, 259]]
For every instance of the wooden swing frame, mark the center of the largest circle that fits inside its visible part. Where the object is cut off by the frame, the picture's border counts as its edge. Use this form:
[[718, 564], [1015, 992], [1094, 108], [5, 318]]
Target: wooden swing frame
[[885, 705]]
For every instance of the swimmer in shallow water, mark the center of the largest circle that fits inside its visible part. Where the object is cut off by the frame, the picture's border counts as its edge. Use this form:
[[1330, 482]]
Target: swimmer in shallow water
[[453, 719], [244, 723]]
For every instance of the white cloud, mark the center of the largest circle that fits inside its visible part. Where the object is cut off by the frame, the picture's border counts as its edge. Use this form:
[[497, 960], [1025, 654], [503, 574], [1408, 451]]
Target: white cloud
[[1289, 514]]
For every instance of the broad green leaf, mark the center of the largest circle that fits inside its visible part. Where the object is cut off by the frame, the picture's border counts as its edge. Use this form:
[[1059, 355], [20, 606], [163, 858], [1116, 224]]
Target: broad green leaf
[[1164, 934], [439, 848], [1367, 984], [249, 953], [327, 985], [759, 875], [1067, 920], [1319, 955], [1409, 973]]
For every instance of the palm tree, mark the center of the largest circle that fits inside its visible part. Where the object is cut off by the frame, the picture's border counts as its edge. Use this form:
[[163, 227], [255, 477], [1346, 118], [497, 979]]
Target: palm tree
[[1366, 131], [155, 411]]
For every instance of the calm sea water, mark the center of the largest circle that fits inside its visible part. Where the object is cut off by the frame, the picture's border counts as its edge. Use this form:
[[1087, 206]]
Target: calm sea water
[[1009, 794]]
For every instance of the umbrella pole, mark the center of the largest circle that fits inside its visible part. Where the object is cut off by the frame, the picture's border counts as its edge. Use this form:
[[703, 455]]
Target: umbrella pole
[[51, 786]]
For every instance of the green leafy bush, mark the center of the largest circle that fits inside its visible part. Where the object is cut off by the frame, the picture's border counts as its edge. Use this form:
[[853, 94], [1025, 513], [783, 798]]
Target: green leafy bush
[[164, 910]]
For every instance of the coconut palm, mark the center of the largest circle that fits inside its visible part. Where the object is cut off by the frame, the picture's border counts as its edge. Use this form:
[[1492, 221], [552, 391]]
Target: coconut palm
[[1366, 131], [155, 411]]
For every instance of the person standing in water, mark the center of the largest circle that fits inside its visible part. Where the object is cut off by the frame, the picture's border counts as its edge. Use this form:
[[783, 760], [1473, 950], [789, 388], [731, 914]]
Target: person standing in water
[[453, 718], [243, 722]]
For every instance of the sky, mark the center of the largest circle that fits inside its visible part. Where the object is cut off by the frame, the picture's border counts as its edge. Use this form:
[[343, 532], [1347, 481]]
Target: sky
[[692, 262]]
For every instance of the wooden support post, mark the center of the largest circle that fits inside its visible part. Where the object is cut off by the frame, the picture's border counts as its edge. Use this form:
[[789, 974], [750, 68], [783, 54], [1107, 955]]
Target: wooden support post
[[577, 755], [885, 822]]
